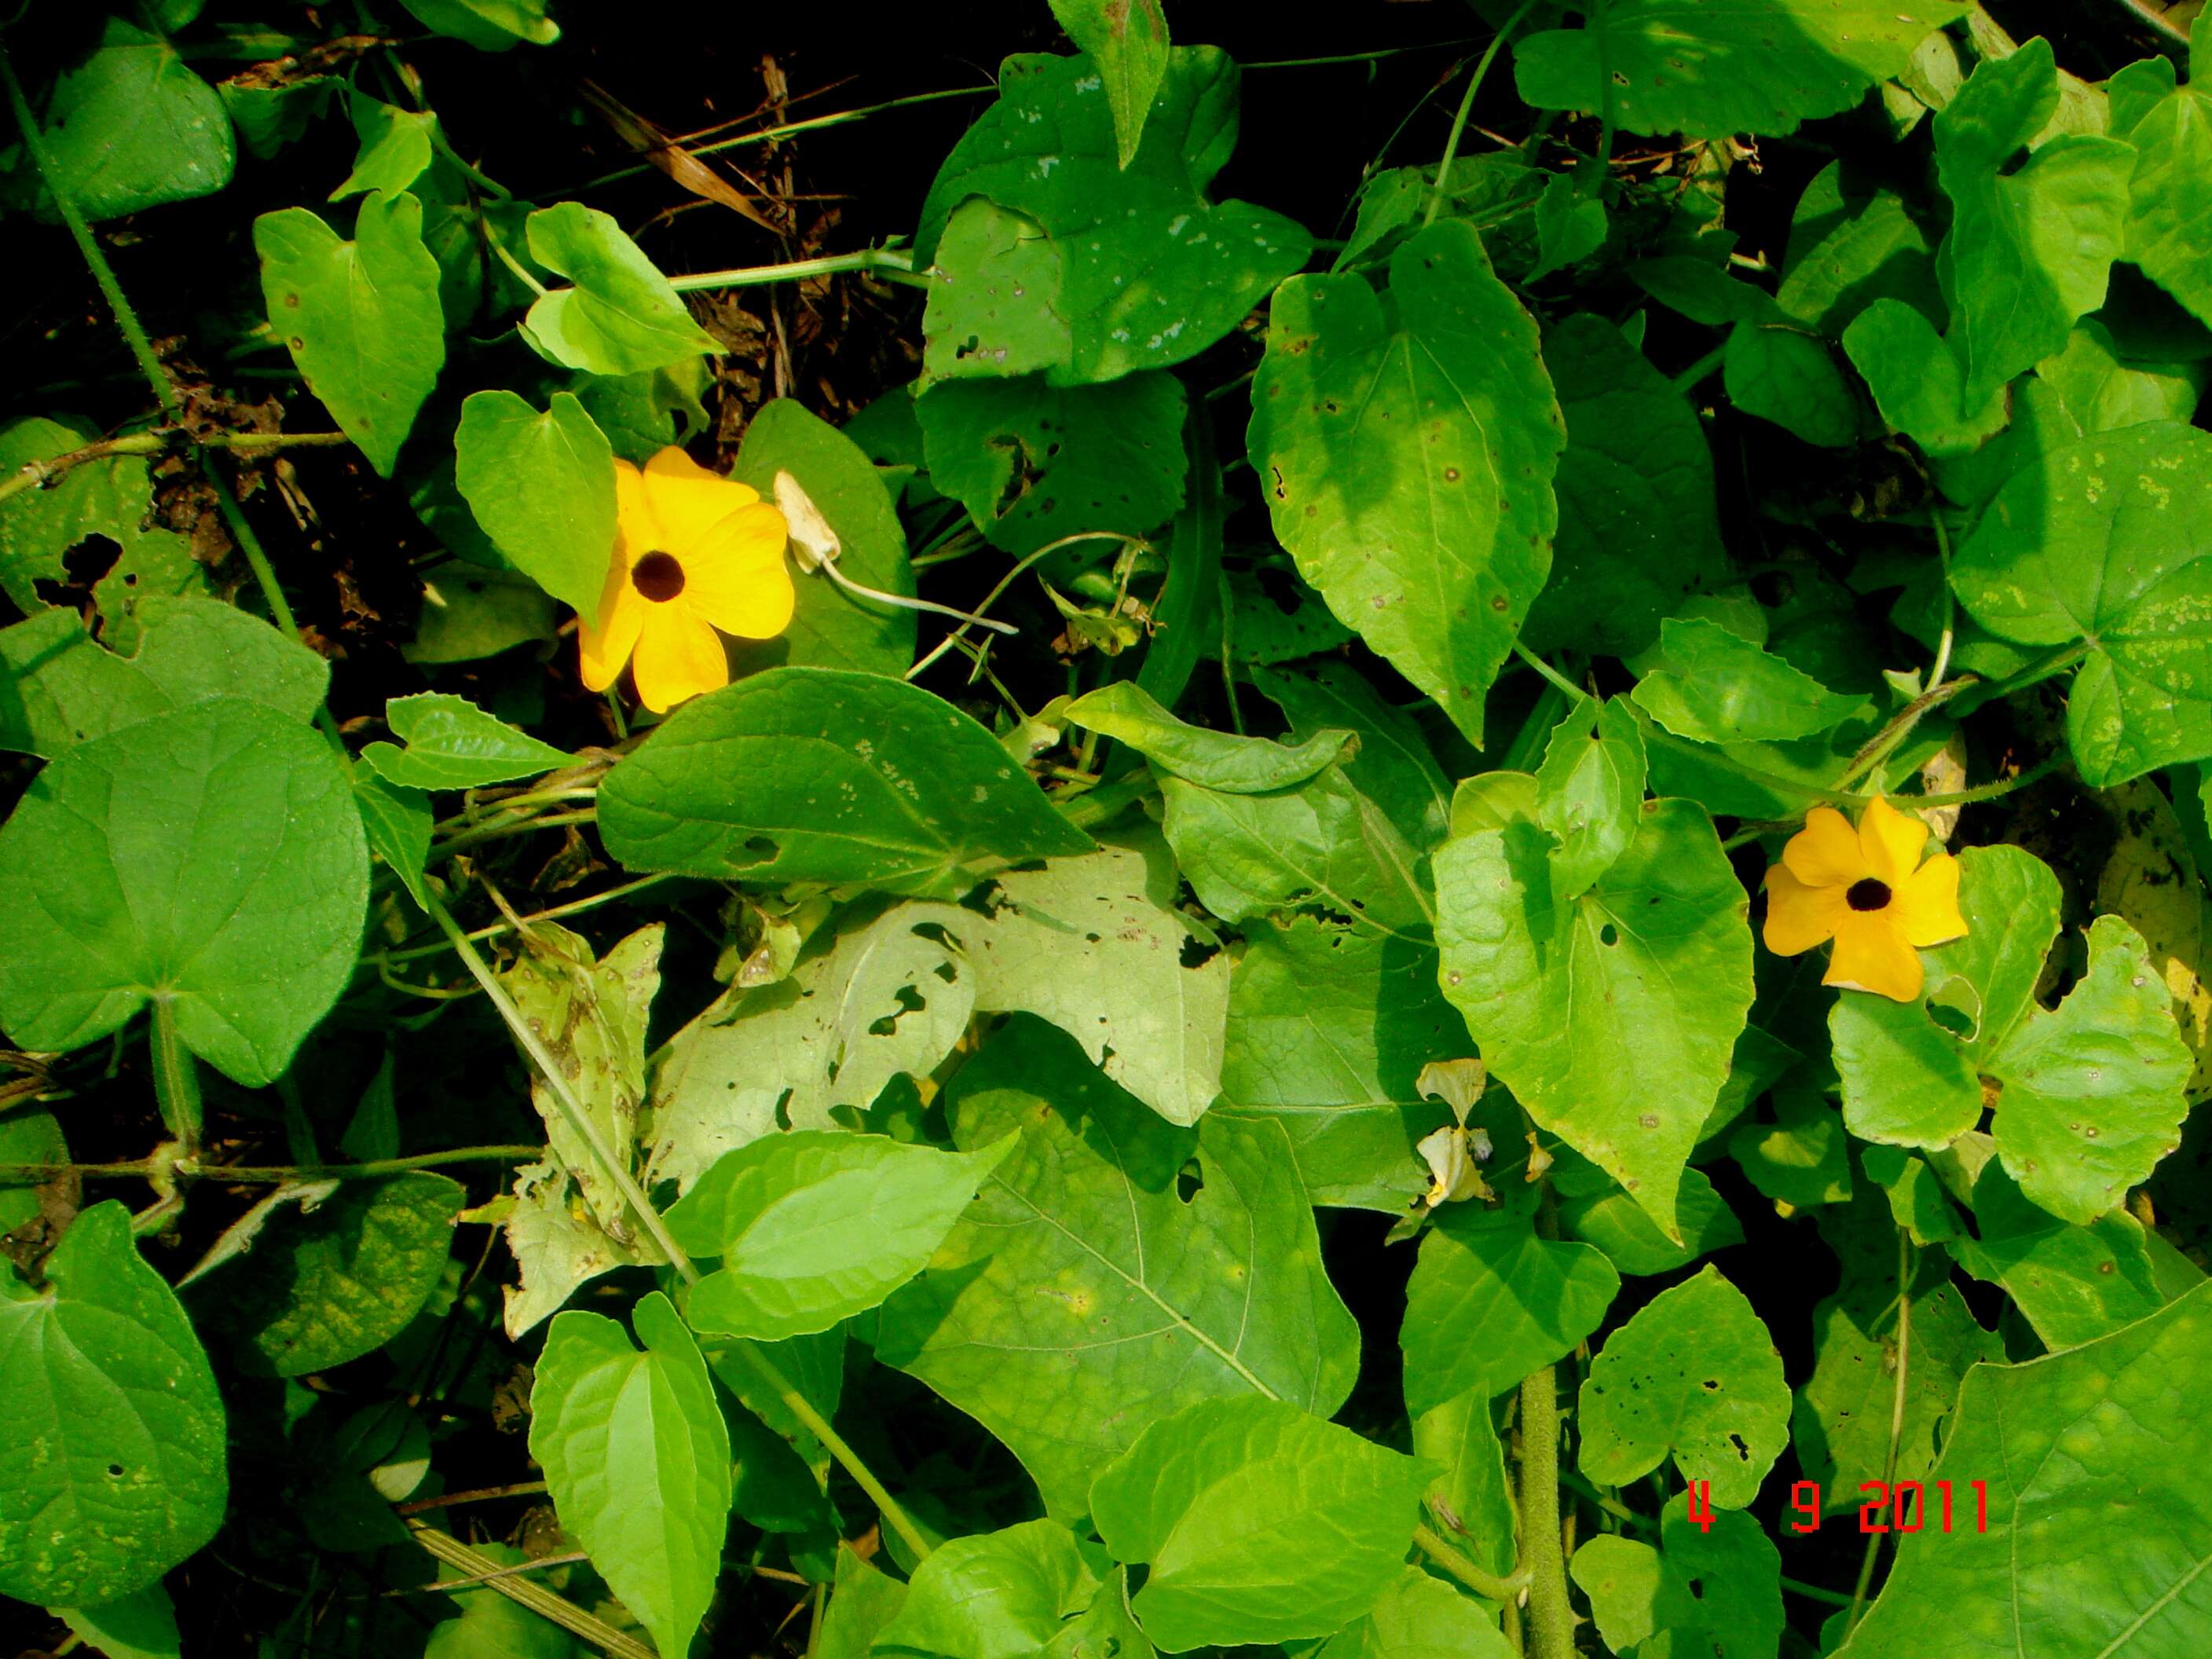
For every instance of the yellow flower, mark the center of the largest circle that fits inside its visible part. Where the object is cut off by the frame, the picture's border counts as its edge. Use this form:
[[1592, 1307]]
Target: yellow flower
[[1866, 890], [693, 553]]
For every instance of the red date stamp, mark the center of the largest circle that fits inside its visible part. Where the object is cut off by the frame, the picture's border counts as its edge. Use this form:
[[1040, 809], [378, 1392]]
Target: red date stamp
[[1903, 1507]]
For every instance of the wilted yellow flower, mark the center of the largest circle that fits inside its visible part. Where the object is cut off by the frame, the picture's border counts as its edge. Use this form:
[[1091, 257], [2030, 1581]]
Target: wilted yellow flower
[[694, 553], [1866, 890]]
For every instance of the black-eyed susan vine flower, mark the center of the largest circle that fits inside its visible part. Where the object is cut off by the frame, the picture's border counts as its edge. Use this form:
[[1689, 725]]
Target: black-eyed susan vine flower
[[695, 556], [1868, 889]]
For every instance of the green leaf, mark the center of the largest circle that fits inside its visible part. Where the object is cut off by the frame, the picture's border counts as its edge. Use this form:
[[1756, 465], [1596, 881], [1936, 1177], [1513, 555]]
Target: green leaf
[[863, 1601], [1490, 1302], [1148, 272], [1802, 1158], [2061, 1445], [487, 25], [494, 1627], [1917, 383], [1230, 1500], [2029, 248], [2093, 1090], [1406, 455], [34, 1136], [325, 1285], [1419, 1617], [396, 146], [140, 1626], [590, 1013], [1589, 791], [1781, 373], [1129, 45], [57, 688], [2103, 389], [832, 629], [636, 1460], [1213, 760], [1461, 1436], [1841, 1425], [2168, 191], [469, 614], [814, 1226], [1033, 463], [1394, 766], [998, 1595], [1667, 66], [993, 286], [1619, 1226], [1638, 525], [543, 487], [1909, 1080], [269, 118], [1850, 247], [1321, 843], [1611, 1017], [1156, 1303], [2072, 1284], [2105, 541], [130, 128], [112, 1446], [823, 774], [1716, 686], [622, 317], [211, 857], [397, 822], [453, 744], [1329, 1028], [361, 318], [111, 497], [1693, 1374], [1714, 1589], [1570, 226]]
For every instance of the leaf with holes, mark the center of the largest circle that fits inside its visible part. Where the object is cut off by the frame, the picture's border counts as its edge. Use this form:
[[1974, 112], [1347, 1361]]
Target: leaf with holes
[[114, 1452], [1715, 1588], [825, 774], [1693, 1376], [1612, 1016]]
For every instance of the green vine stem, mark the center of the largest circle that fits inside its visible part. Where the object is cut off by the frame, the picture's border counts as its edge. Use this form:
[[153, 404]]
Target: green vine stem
[[1550, 1620], [1456, 1562], [1873, 1551], [37, 474], [190, 1169], [1467, 106], [176, 1078], [556, 1084], [894, 264], [134, 332], [772, 1379], [481, 1572]]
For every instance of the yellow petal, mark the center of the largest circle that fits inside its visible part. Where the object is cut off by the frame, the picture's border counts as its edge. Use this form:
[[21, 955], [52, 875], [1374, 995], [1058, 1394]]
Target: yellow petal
[[1872, 954], [1798, 917], [1890, 840], [1926, 904], [737, 578], [678, 657], [603, 648], [686, 501], [635, 533], [1825, 853]]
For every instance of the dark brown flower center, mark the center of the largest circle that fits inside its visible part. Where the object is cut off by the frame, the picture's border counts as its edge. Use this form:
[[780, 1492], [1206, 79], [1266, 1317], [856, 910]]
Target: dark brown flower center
[[659, 577], [1868, 894]]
